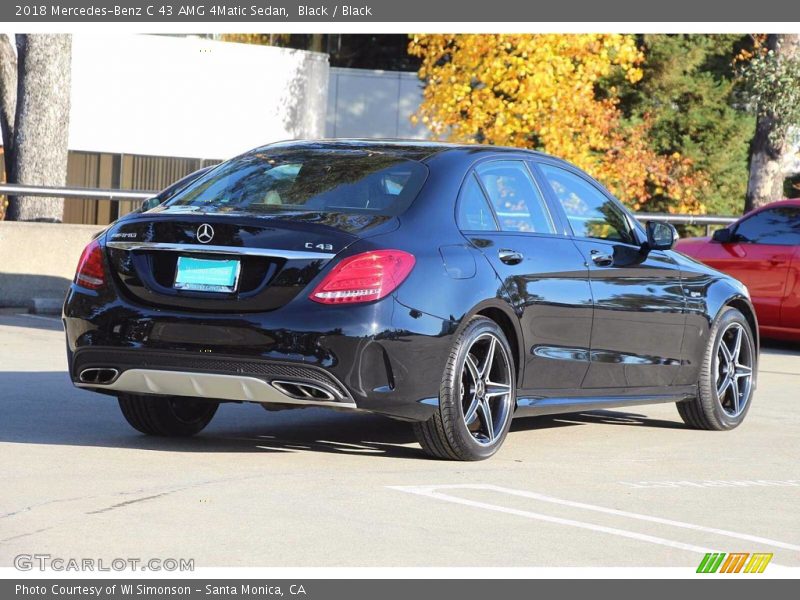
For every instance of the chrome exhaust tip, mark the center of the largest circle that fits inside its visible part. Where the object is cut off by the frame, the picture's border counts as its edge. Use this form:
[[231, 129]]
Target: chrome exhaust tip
[[303, 391], [99, 376]]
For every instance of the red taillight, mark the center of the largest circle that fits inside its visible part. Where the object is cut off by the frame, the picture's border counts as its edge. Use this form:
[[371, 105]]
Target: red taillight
[[364, 277], [90, 273]]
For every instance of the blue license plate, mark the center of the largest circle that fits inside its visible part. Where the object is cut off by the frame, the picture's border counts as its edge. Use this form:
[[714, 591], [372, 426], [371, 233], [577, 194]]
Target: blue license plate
[[205, 275]]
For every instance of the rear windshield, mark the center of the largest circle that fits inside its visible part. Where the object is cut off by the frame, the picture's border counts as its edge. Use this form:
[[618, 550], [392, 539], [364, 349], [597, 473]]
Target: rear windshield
[[308, 181]]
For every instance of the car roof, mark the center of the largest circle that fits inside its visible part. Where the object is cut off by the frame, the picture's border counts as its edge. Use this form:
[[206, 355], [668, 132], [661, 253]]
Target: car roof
[[776, 204], [413, 149]]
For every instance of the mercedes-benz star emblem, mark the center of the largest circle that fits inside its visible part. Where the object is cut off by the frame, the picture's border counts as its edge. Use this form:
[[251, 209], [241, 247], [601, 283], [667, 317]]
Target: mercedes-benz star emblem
[[205, 233]]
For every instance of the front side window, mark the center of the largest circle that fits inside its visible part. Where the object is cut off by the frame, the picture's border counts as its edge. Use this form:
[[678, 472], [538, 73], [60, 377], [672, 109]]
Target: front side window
[[514, 196], [778, 226], [591, 213], [317, 180]]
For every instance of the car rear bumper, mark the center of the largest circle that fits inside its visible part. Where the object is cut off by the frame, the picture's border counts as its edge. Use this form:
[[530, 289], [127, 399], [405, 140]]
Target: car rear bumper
[[140, 371], [235, 388], [380, 357]]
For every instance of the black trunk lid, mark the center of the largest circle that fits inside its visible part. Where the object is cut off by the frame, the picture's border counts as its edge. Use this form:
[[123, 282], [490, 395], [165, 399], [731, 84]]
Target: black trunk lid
[[279, 254]]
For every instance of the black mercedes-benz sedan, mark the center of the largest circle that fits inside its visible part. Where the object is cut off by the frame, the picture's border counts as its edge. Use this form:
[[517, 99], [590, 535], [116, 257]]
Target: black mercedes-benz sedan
[[452, 286]]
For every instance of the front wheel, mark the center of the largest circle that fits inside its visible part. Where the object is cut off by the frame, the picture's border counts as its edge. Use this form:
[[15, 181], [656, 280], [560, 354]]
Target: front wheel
[[476, 397], [167, 415], [727, 376]]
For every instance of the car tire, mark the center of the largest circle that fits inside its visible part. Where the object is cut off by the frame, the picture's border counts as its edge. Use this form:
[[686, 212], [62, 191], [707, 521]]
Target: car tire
[[727, 375], [460, 428], [167, 416]]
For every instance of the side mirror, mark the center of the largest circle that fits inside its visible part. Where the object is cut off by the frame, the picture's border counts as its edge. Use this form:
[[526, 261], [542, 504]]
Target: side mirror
[[150, 203], [660, 236], [722, 236]]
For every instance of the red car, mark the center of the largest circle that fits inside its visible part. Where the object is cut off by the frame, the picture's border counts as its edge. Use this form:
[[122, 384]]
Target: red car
[[762, 250]]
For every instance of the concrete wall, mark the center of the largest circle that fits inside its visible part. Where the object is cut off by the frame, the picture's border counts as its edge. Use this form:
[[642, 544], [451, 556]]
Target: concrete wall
[[190, 97], [364, 103], [39, 259]]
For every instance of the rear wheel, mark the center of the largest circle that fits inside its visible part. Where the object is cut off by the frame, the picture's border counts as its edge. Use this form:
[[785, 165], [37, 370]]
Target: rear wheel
[[167, 415], [476, 398], [727, 376]]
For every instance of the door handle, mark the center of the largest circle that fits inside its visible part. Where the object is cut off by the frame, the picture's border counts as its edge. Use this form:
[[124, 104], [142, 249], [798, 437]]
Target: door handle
[[600, 259], [510, 257]]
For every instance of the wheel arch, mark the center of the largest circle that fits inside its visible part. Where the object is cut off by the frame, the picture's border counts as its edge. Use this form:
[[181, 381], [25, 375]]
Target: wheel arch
[[501, 313], [724, 293], [744, 306]]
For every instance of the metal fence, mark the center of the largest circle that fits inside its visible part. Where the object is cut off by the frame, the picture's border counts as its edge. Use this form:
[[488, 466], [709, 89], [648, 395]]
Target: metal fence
[[13, 189], [706, 221]]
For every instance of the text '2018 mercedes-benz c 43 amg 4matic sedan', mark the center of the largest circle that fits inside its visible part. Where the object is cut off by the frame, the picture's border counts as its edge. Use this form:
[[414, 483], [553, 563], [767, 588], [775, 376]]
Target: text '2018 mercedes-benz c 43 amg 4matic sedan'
[[451, 286]]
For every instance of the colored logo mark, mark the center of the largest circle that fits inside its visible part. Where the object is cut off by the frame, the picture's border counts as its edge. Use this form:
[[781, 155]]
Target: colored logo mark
[[735, 562]]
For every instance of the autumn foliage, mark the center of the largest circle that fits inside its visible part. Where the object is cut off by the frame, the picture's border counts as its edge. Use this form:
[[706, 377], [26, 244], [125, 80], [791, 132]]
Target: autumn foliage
[[543, 91]]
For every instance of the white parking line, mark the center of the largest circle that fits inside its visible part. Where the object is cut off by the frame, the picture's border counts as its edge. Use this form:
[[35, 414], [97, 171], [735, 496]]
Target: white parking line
[[550, 519], [713, 483], [430, 491]]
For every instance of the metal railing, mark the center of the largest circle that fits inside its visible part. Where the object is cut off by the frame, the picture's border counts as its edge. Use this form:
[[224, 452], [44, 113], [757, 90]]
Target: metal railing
[[706, 221], [13, 189]]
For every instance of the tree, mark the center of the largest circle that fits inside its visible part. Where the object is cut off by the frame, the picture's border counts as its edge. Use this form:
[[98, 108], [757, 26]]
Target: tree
[[688, 91], [772, 78], [547, 92], [8, 106], [35, 142], [8, 96]]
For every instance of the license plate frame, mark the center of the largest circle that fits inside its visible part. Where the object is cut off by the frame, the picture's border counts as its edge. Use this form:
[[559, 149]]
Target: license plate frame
[[212, 275]]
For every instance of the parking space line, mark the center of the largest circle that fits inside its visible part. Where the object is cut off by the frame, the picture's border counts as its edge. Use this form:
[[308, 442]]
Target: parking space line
[[431, 492], [428, 493], [630, 515]]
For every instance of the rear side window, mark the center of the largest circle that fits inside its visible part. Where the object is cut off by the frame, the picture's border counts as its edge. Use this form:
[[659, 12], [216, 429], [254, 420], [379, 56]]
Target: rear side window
[[474, 213], [318, 180], [777, 226], [514, 196], [591, 214]]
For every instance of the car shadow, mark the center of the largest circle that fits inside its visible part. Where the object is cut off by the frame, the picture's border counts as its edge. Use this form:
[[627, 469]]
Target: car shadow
[[780, 346], [20, 288], [18, 317], [44, 408], [606, 417]]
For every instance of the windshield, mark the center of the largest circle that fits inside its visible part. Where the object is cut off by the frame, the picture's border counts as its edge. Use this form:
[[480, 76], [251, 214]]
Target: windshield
[[349, 181]]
